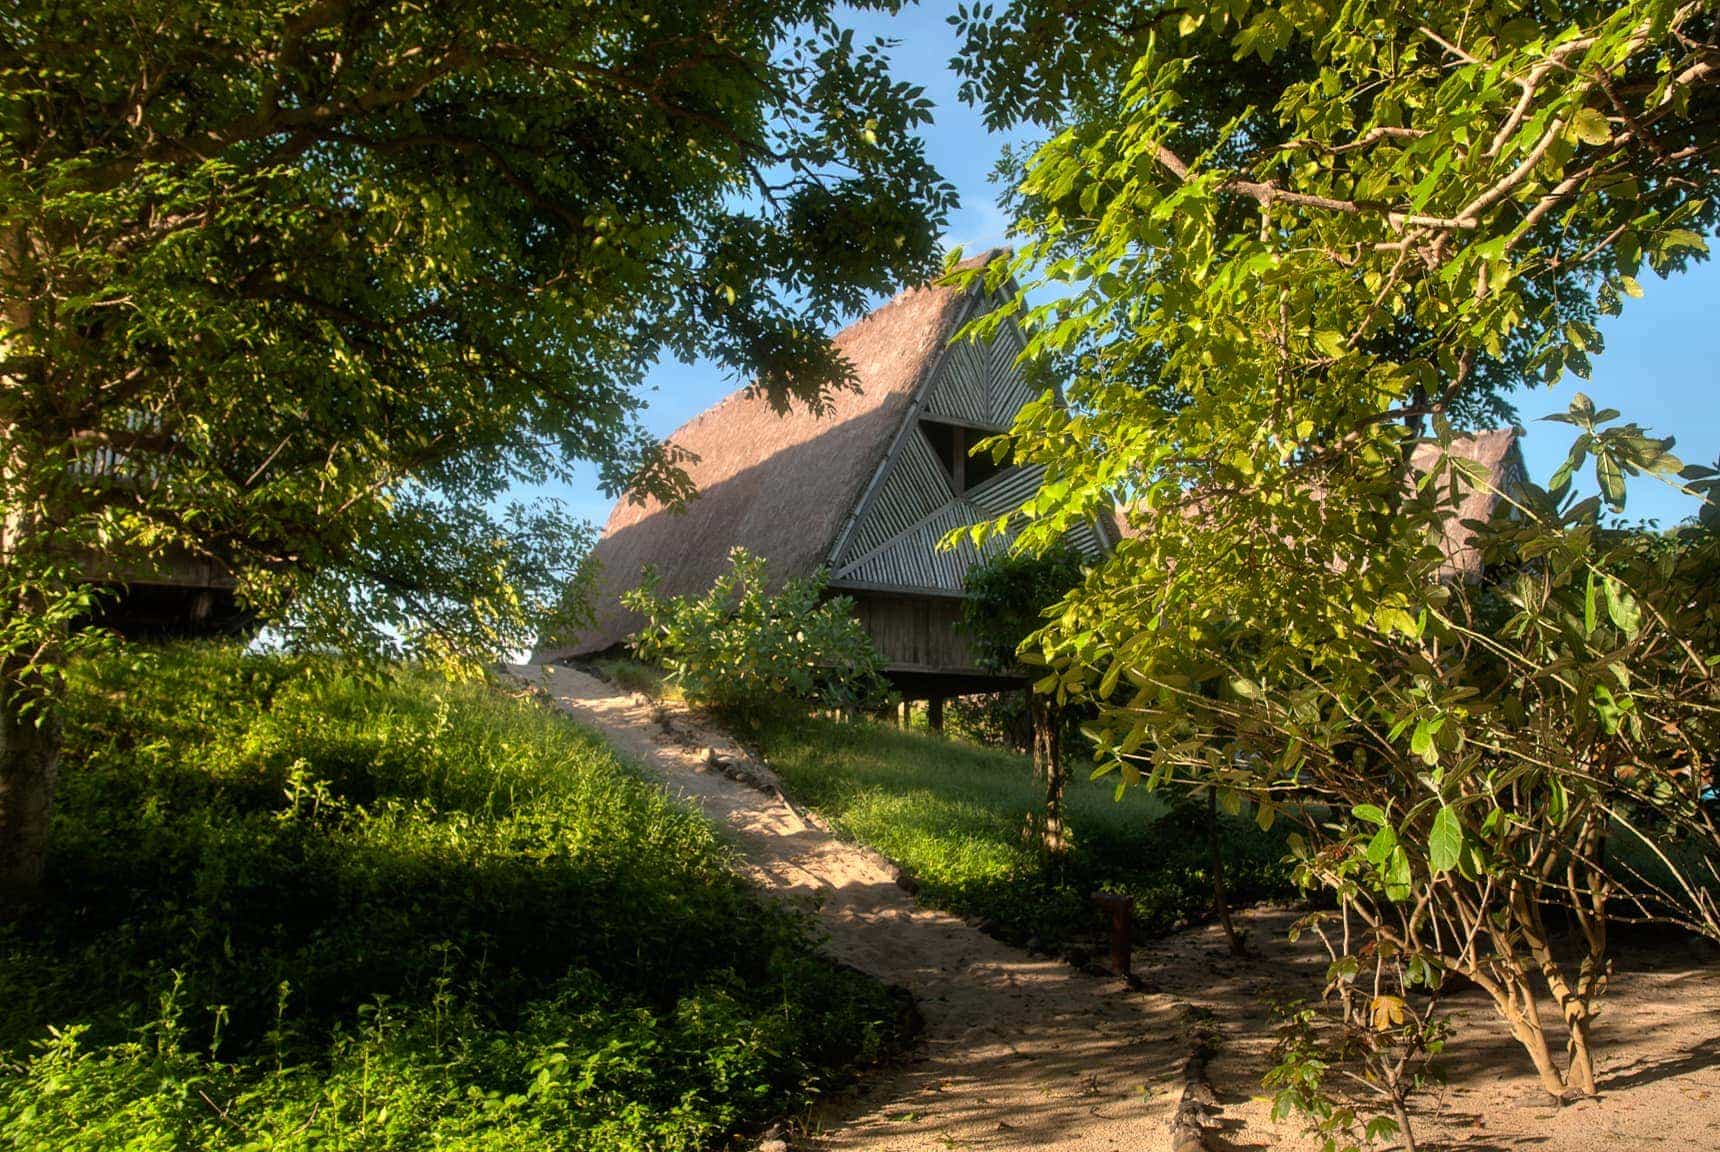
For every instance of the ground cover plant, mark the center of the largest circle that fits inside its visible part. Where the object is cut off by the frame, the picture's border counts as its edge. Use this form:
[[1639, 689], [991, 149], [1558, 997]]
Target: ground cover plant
[[957, 818], [295, 907]]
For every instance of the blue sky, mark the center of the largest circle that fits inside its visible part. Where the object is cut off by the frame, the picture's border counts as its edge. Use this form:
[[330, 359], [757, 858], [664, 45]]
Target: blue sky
[[1661, 366]]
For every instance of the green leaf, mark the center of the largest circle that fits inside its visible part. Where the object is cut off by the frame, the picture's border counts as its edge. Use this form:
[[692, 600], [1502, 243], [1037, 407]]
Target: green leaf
[[1573, 460], [1369, 812], [1622, 609], [1589, 612], [1590, 126], [1399, 875], [1469, 863], [1611, 479], [1558, 799], [1383, 844], [1421, 742], [1445, 841], [1684, 238]]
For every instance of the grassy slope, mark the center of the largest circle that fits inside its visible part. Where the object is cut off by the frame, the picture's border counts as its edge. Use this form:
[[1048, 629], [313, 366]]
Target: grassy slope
[[953, 815], [297, 909]]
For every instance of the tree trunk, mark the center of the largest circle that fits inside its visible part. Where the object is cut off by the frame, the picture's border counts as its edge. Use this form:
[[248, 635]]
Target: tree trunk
[[1220, 901], [1575, 1006], [1515, 998], [1048, 770], [29, 765], [1405, 1132], [1581, 1073]]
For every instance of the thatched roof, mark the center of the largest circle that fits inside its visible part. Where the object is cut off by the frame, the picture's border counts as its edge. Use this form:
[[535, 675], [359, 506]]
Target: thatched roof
[[780, 486], [1496, 450]]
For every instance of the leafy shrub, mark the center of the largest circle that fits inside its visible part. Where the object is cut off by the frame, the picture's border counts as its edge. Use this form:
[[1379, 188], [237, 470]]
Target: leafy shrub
[[741, 649], [995, 719], [299, 908]]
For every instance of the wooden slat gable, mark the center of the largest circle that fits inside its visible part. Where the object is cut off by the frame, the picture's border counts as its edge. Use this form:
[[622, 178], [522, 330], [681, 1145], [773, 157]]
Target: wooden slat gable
[[1087, 540], [913, 489], [1007, 390], [909, 510], [913, 561], [1006, 491], [959, 389]]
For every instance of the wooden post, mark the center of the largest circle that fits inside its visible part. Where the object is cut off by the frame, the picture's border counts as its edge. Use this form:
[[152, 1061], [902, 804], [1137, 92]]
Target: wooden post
[[935, 713], [1122, 910]]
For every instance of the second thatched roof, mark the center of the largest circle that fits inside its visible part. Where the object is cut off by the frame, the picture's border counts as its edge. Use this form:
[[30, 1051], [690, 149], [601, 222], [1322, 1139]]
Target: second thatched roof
[[1498, 453]]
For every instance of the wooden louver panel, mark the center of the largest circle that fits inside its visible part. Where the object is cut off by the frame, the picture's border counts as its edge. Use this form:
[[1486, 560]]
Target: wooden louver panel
[[895, 542], [1007, 491], [1006, 390], [913, 560], [958, 394], [1085, 541], [913, 489]]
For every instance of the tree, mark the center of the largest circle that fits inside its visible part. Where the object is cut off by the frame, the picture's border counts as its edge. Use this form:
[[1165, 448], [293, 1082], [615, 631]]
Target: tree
[[300, 287], [1007, 598], [1271, 296]]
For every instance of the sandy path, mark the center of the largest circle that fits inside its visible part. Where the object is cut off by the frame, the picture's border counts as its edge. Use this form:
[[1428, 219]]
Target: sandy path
[[1025, 1053], [1018, 1052], [1658, 1036]]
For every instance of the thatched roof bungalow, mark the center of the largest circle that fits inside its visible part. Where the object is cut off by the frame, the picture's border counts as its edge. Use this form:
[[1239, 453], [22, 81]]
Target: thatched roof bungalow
[[866, 490]]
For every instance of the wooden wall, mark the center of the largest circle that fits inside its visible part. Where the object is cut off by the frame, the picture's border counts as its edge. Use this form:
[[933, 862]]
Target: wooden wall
[[182, 594], [916, 633]]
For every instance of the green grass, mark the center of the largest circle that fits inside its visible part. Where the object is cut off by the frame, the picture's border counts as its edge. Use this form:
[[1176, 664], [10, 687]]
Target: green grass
[[292, 907], [953, 814]]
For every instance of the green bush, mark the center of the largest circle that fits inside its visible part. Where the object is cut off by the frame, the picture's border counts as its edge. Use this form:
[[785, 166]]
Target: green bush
[[300, 908], [745, 651], [954, 814], [995, 719]]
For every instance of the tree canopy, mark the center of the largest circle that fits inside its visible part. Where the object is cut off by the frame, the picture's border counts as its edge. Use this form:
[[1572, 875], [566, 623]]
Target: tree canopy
[[1270, 287], [299, 288], [324, 278]]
